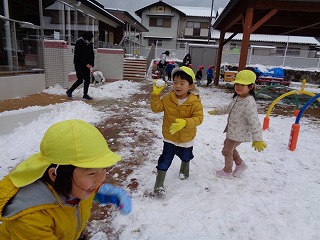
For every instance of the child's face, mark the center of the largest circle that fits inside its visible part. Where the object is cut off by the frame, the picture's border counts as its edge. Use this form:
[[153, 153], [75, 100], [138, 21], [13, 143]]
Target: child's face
[[242, 90], [181, 87], [86, 180]]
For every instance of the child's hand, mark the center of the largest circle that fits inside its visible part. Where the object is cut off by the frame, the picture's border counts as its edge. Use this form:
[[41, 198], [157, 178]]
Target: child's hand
[[110, 194], [158, 86], [178, 125], [213, 112], [259, 145]]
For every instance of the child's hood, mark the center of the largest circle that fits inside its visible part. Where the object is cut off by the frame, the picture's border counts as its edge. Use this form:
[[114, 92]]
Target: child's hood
[[27, 197]]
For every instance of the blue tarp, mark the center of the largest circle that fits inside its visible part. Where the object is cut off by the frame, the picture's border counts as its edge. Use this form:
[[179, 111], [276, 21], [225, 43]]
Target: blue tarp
[[271, 72]]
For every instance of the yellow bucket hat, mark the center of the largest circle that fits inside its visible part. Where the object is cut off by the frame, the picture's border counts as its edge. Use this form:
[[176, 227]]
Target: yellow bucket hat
[[245, 77], [70, 142]]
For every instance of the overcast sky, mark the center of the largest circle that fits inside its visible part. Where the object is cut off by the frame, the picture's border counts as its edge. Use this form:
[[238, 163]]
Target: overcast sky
[[131, 5]]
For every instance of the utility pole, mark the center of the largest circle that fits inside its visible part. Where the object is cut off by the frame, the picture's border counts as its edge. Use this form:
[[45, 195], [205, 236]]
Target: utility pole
[[210, 21]]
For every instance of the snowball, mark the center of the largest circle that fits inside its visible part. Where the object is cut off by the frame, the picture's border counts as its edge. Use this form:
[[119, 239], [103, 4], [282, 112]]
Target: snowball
[[160, 83]]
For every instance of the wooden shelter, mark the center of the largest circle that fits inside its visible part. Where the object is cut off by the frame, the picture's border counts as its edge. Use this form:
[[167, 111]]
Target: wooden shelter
[[274, 17]]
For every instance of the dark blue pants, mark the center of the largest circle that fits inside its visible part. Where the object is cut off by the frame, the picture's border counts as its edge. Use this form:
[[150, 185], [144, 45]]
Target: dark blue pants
[[168, 152], [83, 73]]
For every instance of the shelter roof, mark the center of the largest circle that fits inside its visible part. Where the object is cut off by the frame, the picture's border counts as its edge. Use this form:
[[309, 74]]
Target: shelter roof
[[278, 17]]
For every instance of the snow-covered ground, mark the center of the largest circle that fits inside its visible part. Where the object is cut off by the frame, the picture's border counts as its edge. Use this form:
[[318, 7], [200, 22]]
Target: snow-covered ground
[[278, 197]]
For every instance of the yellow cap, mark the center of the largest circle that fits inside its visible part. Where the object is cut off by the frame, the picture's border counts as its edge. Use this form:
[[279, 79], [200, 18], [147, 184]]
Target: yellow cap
[[245, 77], [70, 142], [185, 69]]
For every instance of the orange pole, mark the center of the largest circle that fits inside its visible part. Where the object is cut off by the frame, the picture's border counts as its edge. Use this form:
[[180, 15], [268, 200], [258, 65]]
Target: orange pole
[[266, 122], [296, 112], [294, 136]]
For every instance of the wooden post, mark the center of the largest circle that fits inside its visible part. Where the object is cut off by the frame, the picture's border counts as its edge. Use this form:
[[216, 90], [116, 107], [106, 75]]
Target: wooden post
[[246, 38]]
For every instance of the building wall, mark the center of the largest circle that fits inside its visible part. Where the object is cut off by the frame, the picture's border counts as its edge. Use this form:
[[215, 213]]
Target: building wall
[[20, 86]]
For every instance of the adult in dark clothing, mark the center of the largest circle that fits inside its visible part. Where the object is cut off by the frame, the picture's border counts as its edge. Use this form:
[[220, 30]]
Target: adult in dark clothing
[[187, 60], [83, 61]]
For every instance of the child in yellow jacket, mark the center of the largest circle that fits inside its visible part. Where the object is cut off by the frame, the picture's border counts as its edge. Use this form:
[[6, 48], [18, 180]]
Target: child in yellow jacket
[[50, 194], [183, 112]]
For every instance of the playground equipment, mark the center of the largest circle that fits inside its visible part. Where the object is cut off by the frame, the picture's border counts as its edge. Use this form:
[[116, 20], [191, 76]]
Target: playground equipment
[[296, 126], [266, 120]]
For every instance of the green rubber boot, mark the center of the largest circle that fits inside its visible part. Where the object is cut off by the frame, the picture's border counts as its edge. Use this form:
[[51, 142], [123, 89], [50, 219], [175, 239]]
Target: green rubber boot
[[184, 170], [158, 186]]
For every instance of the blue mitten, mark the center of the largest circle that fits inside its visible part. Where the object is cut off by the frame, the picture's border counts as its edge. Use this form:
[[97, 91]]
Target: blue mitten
[[110, 194]]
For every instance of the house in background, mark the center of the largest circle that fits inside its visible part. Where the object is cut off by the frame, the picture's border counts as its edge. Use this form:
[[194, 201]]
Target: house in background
[[176, 27], [171, 27], [132, 40]]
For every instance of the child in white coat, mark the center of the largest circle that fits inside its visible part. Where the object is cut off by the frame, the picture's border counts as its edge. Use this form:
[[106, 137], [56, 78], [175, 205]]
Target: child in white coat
[[243, 124]]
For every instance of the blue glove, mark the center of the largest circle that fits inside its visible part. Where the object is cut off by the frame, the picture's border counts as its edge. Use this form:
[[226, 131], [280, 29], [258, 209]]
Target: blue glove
[[110, 194]]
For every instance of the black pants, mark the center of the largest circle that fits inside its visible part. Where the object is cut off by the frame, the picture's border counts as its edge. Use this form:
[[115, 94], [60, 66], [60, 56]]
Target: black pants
[[83, 73], [209, 80]]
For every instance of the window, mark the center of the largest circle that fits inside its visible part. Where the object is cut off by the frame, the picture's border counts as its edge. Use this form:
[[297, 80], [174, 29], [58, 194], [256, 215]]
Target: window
[[280, 51], [20, 47], [233, 46], [160, 22], [182, 45], [290, 51], [194, 28], [293, 52]]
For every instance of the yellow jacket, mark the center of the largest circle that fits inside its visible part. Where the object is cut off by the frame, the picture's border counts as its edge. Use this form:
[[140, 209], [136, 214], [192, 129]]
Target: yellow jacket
[[37, 212], [191, 110]]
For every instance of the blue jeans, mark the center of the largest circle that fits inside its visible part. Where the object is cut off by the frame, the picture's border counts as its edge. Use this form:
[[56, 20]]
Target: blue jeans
[[168, 152]]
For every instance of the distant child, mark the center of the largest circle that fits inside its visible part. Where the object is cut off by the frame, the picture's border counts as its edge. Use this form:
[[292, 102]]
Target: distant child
[[210, 74], [187, 60], [169, 69], [243, 124], [49, 195], [163, 63], [199, 73], [183, 112], [97, 77], [155, 71]]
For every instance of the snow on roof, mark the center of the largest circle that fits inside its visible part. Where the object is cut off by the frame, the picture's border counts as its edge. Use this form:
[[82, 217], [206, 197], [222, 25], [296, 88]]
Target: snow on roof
[[195, 11], [269, 38]]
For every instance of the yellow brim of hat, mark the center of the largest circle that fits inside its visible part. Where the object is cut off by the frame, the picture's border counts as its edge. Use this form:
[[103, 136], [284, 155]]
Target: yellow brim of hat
[[243, 82], [35, 166]]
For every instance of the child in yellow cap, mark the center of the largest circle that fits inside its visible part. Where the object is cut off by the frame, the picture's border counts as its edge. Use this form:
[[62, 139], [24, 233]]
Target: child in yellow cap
[[183, 112], [243, 124], [50, 194]]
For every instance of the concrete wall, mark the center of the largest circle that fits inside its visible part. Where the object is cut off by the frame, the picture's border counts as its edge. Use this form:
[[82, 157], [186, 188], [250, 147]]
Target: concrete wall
[[110, 62], [22, 85]]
